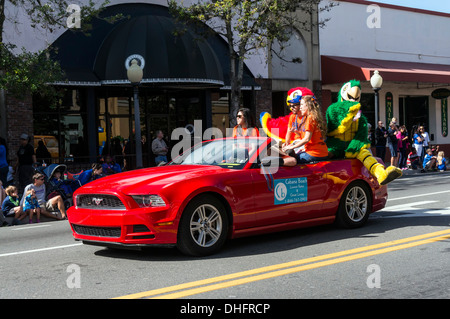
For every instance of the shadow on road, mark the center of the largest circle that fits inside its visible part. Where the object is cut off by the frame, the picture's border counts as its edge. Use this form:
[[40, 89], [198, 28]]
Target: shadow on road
[[379, 223]]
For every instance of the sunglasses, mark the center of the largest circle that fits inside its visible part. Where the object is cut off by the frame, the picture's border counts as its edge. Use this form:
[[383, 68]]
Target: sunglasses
[[239, 116]]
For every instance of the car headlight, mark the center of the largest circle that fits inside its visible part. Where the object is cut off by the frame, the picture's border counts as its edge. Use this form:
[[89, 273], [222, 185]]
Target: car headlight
[[149, 200]]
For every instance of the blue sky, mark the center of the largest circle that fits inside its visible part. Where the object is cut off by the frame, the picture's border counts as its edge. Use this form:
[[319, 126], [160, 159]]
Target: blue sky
[[433, 5]]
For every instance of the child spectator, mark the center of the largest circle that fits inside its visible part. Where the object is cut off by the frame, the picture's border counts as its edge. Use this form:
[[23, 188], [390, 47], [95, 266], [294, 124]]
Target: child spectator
[[429, 161], [91, 174], [110, 166], [11, 206], [62, 184], [31, 206], [413, 159], [441, 162]]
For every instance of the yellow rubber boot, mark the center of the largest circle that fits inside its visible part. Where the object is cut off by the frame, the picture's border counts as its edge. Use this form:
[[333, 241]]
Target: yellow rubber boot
[[383, 176]]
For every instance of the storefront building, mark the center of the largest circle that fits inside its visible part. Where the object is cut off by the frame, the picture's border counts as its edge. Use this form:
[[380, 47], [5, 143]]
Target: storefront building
[[407, 48], [183, 80]]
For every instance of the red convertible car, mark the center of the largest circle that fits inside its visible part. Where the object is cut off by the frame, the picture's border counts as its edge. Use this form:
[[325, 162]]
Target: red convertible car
[[220, 189]]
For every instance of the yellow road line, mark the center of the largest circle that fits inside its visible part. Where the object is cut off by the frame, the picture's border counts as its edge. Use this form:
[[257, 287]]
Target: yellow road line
[[293, 266]]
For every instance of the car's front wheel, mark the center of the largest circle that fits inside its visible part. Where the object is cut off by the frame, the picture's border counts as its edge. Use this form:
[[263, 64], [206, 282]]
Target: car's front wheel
[[355, 205], [203, 227]]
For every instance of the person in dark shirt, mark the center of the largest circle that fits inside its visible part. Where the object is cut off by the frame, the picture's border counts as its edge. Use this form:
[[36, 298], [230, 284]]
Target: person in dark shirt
[[380, 140], [42, 153], [25, 160], [11, 205]]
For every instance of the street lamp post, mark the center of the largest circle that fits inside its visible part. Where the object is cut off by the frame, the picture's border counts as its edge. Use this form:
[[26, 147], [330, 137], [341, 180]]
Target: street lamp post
[[376, 81], [135, 74]]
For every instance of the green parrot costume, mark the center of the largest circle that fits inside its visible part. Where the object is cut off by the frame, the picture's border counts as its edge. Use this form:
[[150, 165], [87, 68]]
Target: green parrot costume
[[348, 133]]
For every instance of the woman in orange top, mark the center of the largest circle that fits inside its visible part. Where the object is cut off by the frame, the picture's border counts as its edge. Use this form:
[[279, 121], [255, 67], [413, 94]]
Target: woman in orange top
[[245, 124], [305, 137]]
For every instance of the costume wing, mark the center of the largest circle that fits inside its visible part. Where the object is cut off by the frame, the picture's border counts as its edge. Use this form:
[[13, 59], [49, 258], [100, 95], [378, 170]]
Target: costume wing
[[275, 128]]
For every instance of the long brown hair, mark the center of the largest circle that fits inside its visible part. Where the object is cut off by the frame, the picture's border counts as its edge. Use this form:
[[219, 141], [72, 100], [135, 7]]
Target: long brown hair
[[316, 113]]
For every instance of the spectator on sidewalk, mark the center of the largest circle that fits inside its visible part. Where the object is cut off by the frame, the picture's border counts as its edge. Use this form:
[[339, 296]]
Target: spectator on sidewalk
[[32, 207], [4, 166], [25, 160], [413, 159], [159, 148], [429, 161], [418, 143], [380, 140], [10, 205], [392, 142], [47, 207], [91, 174], [441, 161], [426, 140]]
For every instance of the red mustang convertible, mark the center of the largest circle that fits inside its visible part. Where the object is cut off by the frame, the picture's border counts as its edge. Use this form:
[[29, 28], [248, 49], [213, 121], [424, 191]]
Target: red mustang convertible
[[220, 189]]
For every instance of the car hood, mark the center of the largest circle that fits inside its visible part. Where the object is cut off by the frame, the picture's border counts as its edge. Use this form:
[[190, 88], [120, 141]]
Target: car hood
[[138, 181]]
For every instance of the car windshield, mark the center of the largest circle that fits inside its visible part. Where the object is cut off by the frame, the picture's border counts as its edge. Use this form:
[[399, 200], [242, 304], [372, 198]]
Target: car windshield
[[228, 153]]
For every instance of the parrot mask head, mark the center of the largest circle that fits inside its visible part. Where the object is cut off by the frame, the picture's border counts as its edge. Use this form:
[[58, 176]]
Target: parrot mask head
[[347, 110], [350, 91]]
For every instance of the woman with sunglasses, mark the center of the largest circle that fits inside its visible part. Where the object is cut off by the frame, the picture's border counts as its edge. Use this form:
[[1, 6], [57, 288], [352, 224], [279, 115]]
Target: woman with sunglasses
[[245, 124], [306, 129]]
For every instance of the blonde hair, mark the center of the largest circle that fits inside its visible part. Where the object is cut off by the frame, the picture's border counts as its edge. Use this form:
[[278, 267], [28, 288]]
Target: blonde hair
[[316, 113], [10, 190], [440, 157]]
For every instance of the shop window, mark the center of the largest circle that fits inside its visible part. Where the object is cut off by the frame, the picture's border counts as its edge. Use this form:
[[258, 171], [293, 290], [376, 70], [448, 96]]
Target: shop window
[[61, 121]]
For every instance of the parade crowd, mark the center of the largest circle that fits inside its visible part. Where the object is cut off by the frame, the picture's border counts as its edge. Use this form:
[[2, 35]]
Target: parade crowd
[[407, 151]]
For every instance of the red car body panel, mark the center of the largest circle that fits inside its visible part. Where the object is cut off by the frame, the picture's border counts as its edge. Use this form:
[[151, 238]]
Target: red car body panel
[[246, 193]]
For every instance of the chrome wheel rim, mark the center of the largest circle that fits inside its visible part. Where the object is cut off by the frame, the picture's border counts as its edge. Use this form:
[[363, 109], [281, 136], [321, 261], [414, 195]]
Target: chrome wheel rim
[[206, 225], [356, 204]]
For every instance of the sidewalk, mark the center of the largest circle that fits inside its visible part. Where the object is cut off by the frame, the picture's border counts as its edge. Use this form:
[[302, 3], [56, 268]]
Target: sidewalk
[[25, 221], [415, 172]]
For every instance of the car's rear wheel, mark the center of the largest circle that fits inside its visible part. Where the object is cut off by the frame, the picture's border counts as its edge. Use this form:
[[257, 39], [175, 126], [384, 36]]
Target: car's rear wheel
[[355, 205], [203, 227]]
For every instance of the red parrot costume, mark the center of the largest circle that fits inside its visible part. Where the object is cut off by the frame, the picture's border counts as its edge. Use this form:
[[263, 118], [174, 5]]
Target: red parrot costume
[[277, 128]]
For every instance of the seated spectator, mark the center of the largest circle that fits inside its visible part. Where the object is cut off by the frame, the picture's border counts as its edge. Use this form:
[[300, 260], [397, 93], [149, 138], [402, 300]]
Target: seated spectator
[[429, 161], [413, 159], [441, 162], [68, 187], [91, 174], [31, 206], [10, 205], [110, 166], [47, 207]]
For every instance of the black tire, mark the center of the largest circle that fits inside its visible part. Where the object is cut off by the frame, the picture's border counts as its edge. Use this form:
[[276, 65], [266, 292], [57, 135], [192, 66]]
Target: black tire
[[355, 206], [203, 227]]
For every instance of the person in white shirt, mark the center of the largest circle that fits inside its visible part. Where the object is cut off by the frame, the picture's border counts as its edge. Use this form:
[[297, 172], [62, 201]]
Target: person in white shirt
[[47, 207], [426, 141], [159, 148]]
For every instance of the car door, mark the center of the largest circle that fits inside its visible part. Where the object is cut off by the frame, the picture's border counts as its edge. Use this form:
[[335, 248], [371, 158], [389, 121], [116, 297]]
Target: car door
[[288, 194]]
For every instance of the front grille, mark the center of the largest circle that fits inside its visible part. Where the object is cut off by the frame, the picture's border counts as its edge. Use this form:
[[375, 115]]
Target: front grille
[[97, 231], [100, 201]]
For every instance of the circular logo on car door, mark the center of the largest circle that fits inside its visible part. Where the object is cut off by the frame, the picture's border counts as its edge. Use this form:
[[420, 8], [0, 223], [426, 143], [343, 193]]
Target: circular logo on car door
[[280, 191]]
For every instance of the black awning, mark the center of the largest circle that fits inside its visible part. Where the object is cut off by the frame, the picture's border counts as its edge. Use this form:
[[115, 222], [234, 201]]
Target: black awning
[[148, 30]]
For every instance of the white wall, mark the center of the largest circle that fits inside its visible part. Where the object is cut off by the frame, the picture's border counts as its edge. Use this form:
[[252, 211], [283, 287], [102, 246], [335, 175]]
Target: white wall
[[395, 34]]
